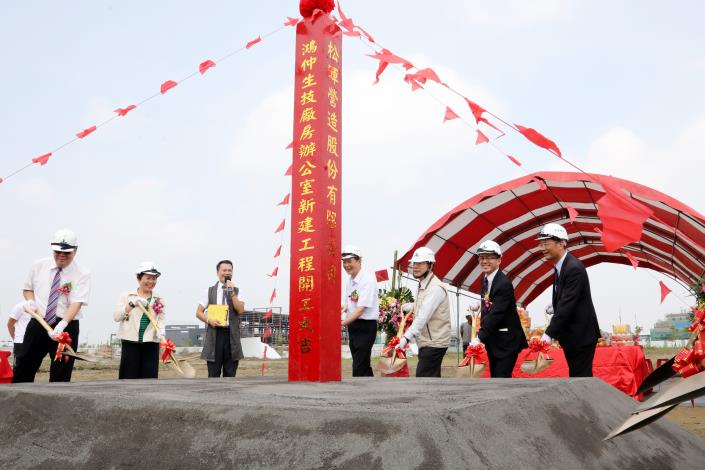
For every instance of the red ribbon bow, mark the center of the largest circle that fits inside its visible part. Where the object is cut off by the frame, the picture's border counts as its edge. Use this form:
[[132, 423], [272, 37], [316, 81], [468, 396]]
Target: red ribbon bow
[[476, 351], [538, 346], [63, 339], [169, 348], [688, 361], [391, 348]]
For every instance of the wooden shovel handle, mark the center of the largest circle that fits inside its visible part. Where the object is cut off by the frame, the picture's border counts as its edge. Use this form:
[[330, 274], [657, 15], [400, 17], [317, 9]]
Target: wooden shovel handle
[[41, 321]]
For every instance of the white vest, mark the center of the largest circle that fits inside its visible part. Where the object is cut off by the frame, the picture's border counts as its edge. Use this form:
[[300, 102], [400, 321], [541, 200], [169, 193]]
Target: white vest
[[437, 331]]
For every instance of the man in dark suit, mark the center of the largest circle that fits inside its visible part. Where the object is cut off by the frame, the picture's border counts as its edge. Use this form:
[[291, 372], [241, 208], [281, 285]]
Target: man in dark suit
[[500, 327], [574, 322]]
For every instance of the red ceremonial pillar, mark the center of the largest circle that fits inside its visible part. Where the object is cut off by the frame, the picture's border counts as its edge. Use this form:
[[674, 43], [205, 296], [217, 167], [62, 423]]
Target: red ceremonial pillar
[[314, 306]]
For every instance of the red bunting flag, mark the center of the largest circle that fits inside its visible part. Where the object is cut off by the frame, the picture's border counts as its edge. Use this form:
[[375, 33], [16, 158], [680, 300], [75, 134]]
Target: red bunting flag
[[476, 110], [291, 21], [123, 111], [42, 159], [288, 171], [274, 272], [622, 218], [205, 65], [167, 85], [280, 228], [381, 68], [514, 160], [266, 335], [572, 213], [424, 74], [632, 259], [1, 180], [539, 139], [86, 132], [481, 138], [414, 85], [285, 201], [290, 146], [450, 115], [541, 183], [278, 252], [382, 275], [267, 315], [387, 56], [664, 290], [253, 42], [273, 296]]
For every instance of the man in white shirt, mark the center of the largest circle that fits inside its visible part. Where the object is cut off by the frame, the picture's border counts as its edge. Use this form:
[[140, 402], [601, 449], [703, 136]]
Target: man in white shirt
[[222, 349], [362, 308], [57, 288], [16, 326]]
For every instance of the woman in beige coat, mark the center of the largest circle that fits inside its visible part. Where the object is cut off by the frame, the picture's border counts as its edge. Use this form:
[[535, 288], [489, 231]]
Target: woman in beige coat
[[140, 339]]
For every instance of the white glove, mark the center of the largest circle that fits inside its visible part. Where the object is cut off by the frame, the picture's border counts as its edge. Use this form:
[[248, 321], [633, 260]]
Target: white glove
[[549, 309], [29, 304], [136, 299], [474, 305], [58, 329], [407, 307], [546, 338], [475, 341], [402, 343]]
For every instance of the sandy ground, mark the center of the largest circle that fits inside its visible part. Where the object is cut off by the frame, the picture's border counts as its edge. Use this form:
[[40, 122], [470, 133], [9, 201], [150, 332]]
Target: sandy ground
[[690, 418]]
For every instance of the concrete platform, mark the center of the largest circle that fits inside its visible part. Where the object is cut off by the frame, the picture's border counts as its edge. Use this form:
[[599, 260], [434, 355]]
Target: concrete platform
[[357, 424]]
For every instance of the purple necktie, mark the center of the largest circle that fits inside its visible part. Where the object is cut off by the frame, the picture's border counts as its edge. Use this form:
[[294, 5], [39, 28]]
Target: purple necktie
[[484, 292], [50, 314]]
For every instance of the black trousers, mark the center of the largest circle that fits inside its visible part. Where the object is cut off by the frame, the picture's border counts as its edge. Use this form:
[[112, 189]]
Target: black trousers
[[16, 351], [430, 360], [223, 356], [580, 360], [502, 367], [362, 335], [36, 346], [139, 360]]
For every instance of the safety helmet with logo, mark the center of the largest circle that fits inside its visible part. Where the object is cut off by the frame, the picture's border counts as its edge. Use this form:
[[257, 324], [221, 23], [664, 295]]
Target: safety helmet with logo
[[351, 251], [489, 246], [148, 267], [423, 254], [553, 231], [64, 241]]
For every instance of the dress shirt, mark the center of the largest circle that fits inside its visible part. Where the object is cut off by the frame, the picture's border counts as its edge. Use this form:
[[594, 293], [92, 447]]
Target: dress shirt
[[41, 277], [365, 284]]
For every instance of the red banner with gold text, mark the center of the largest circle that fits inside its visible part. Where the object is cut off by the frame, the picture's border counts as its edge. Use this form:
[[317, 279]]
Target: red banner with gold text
[[314, 305]]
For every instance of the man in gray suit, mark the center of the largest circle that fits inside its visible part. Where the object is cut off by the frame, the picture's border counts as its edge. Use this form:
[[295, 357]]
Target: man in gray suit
[[221, 348]]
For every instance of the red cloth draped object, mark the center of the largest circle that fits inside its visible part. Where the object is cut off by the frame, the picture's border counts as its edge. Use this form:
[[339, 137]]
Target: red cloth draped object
[[308, 7]]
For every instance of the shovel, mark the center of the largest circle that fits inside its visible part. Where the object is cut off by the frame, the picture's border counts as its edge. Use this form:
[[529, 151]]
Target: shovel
[[183, 368], [68, 350]]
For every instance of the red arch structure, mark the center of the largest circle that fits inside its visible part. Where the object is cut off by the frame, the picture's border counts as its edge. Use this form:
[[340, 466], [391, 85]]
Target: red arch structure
[[672, 240]]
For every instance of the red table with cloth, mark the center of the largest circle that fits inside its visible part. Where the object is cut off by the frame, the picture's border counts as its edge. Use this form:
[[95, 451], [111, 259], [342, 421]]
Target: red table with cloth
[[623, 367]]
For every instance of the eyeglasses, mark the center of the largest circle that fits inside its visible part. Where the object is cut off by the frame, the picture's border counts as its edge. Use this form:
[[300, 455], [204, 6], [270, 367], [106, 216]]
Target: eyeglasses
[[67, 253]]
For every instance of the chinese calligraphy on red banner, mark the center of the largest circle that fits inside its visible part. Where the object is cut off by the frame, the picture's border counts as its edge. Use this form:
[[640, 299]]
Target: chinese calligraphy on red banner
[[314, 306]]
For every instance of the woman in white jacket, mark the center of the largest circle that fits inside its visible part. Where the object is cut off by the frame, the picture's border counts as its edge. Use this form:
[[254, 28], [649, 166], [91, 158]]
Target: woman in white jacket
[[140, 340]]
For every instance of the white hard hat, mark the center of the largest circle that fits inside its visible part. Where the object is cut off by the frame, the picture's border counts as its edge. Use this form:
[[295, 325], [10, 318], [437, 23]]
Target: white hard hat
[[552, 231], [423, 254], [489, 246], [148, 267], [65, 241], [351, 251]]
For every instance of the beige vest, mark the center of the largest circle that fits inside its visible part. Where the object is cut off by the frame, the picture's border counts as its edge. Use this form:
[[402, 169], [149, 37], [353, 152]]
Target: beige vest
[[437, 331]]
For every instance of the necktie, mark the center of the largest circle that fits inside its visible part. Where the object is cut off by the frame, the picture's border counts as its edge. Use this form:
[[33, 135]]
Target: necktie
[[224, 301], [50, 314], [484, 293]]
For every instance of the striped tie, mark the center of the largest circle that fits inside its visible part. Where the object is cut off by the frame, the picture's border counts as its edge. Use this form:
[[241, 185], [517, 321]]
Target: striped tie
[[50, 314]]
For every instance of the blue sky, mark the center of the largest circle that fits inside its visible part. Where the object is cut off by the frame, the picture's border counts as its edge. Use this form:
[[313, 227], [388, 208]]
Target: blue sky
[[194, 176]]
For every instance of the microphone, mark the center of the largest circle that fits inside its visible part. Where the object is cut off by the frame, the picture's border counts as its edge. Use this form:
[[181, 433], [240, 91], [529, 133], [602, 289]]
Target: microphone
[[227, 278]]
